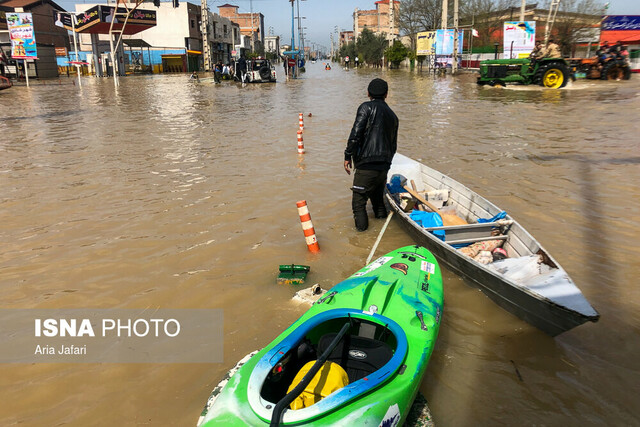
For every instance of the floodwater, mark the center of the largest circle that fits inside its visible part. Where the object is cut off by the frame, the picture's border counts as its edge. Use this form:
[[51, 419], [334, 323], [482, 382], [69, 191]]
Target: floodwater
[[172, 194]]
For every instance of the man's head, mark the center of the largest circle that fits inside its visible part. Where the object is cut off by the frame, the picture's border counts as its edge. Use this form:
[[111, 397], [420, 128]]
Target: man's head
[[550, 41], [378, 89]]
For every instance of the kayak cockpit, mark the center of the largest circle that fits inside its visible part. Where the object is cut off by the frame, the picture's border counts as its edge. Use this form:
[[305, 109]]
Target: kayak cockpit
[[354, 353]]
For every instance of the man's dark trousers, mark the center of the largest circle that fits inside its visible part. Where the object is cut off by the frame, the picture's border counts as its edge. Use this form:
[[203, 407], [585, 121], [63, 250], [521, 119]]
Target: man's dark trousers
[[368, 184]]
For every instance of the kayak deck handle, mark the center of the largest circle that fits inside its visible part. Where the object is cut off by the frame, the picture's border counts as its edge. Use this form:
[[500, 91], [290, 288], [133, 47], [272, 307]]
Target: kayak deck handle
[[326, 297], [421, 318]]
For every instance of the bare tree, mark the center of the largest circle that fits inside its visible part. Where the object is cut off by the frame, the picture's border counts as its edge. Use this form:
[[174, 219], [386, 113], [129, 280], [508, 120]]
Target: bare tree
[[488, 17], [416, 16], [575, 19]]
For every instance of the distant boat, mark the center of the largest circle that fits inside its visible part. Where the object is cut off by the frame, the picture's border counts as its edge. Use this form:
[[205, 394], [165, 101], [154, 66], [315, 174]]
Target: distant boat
[[528, 283]]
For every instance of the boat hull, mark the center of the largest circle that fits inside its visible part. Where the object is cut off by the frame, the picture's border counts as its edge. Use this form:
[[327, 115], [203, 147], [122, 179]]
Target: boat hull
[[543, 313], [385, 295]]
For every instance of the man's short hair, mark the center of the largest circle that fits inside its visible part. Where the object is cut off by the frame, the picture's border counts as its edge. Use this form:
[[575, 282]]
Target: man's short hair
[[378, 88]]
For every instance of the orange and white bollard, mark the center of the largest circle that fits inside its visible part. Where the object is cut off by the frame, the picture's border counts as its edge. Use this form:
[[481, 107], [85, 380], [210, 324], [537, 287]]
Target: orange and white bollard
[[301, 121], [307, 226], [300, 143]]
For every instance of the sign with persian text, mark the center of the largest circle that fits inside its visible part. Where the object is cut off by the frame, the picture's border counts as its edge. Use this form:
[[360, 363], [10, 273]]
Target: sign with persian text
[[621, 23], [23, 39], [519, 39]]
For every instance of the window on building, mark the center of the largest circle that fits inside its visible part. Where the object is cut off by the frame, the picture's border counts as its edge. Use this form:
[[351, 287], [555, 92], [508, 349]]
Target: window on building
[[214, 29], [225, 30], [193, 23]]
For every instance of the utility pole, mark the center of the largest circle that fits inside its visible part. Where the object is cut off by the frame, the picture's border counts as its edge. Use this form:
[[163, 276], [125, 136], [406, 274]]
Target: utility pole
[[522, 8], [299, 26], [252, 34], [331, 36], [392, 21], [292, 26], [445, 10], [205, 35], [454, 62]]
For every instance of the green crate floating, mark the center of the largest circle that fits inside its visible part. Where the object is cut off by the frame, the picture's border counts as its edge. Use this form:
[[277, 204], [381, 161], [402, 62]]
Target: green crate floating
[[292, 274]]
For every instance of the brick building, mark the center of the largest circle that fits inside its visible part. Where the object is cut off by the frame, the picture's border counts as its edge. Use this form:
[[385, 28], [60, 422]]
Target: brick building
[[346, 37], [382, 19], [255, 29]]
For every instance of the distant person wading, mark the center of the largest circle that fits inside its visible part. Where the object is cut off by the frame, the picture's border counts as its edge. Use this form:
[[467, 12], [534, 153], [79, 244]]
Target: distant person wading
[[370, 149]]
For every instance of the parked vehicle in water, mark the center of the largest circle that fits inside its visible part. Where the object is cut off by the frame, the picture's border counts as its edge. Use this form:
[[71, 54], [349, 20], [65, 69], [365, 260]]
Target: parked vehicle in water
[[260, 70]]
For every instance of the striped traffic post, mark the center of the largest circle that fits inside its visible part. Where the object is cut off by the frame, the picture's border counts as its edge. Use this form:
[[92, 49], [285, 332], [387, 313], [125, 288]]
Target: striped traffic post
[[300, 143], [307, 226], [301, 121]]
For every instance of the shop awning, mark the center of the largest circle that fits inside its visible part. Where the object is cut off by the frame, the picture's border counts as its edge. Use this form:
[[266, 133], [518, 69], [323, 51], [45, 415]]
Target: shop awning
[[97, 20]]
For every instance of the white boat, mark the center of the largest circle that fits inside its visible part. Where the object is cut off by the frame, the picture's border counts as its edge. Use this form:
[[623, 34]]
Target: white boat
[[528, 283]]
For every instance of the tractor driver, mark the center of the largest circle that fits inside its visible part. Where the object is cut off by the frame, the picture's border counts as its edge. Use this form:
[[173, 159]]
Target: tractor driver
[[536, 54], [552, 50], [538, 51]]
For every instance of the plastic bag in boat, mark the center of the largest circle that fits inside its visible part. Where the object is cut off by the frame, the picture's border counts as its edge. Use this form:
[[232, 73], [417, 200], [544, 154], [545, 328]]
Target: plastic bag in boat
[[501, 215], [396, 184], [428, 219]]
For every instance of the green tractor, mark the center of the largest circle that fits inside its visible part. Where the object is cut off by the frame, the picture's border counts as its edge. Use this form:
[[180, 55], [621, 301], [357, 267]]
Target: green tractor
[[548, 72]]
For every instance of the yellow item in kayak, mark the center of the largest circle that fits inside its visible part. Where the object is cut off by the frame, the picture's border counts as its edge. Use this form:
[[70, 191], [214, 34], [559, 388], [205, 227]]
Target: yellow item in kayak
[[330, 377]]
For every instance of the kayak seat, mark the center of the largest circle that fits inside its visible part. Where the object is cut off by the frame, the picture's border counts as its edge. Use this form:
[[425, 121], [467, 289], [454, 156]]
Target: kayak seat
[[359, 356], [329, 378]]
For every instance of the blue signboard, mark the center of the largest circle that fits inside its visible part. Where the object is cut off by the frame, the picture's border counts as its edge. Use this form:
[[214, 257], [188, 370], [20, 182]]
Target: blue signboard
[[621, 23], [444, 42]]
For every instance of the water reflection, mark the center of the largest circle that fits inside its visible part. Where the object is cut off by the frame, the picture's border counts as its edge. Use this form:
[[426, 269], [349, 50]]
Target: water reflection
[[170, 193]]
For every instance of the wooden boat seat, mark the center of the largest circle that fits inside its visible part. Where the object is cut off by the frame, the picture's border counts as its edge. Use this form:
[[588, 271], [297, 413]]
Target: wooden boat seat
[[470, 233], [359, 356]]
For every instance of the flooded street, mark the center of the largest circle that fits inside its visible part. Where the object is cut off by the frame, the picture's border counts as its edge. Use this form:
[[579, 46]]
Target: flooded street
[[166, 193]]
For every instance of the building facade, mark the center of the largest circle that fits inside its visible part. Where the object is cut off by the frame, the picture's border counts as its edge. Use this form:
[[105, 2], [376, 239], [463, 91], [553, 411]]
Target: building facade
[[272, 45], [346, 37], [174, 44], [251, 24], [381, 20]]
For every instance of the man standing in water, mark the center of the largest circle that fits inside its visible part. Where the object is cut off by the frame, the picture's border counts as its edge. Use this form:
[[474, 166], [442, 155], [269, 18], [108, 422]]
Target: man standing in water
[[371, 147]]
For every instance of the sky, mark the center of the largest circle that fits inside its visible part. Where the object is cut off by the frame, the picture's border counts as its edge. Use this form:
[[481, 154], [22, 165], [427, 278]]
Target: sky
[[323, 16]]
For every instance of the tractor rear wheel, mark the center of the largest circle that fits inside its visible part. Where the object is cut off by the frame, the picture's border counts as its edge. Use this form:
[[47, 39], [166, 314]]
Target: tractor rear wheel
[[626, 73], [611, 71], [553, 76]]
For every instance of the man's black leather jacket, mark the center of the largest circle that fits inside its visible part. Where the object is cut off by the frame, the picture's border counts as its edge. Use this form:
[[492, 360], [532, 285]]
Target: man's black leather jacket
[[374, 135]]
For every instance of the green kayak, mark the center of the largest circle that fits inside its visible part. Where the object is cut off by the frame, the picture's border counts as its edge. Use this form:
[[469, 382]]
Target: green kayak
[[356, 357]]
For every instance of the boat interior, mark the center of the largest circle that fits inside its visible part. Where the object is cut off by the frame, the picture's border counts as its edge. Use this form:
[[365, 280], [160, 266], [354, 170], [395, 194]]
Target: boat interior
[[470, 224], [364, 348]]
